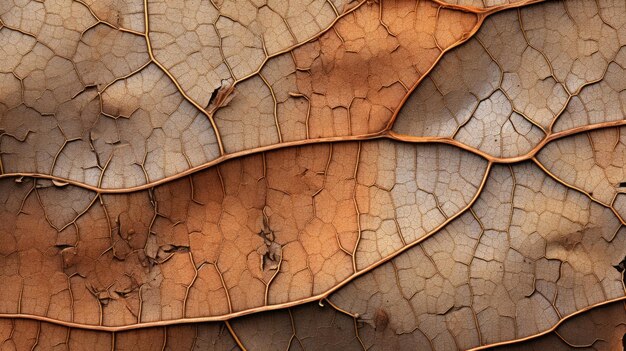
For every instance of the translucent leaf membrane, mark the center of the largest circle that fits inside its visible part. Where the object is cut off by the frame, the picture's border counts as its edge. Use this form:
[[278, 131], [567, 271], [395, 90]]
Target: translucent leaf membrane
[[330, 175]]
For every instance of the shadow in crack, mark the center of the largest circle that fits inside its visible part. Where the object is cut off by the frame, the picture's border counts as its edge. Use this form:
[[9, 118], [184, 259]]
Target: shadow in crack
[[621, 267]]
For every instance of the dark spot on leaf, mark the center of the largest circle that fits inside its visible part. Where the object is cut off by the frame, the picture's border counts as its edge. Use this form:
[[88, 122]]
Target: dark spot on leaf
[[381, 319]]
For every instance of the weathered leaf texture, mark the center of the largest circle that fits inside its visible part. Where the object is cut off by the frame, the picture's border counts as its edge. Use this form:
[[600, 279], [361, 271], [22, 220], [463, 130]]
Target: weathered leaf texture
[[312, 175]]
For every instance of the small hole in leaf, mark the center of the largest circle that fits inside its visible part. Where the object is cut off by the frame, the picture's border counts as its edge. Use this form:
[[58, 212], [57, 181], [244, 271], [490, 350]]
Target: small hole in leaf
[[621, 185]]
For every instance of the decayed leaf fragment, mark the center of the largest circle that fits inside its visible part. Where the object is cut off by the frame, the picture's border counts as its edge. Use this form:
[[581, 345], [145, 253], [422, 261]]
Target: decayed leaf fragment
[[525, 75], [96, 89], [529, 253], [143, 205], [192, 248]]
